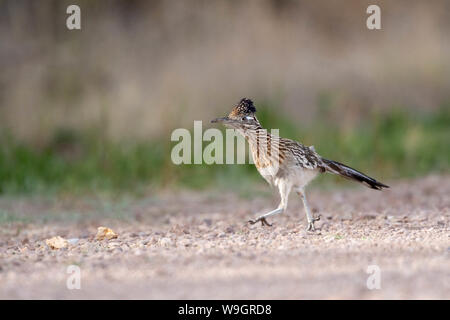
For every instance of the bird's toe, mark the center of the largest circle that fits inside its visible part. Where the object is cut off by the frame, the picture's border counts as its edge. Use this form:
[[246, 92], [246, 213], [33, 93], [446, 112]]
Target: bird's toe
[[265, 223]]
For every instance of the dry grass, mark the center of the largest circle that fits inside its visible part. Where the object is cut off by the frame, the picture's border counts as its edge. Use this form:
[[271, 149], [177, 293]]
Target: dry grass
[[140, 70]]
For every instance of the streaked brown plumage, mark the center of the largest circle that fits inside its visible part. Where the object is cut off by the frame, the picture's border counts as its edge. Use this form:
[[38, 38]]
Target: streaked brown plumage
[[285, 163]]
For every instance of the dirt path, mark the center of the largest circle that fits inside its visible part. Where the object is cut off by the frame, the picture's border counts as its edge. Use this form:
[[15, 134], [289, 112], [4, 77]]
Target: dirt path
[[199, 247]]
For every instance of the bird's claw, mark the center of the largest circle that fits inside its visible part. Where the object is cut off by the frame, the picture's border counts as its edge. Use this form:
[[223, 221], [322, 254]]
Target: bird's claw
[[311, 224], [263, 222]]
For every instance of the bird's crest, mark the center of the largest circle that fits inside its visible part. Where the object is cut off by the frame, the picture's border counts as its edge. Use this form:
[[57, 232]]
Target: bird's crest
[[244, 107]]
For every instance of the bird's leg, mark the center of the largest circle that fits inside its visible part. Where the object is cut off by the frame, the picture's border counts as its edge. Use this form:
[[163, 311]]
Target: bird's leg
[[311, 220], [263, 217], [284, 193]]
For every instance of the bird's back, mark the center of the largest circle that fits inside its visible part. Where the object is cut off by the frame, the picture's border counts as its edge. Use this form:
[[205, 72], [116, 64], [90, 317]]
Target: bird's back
[[280, 158]]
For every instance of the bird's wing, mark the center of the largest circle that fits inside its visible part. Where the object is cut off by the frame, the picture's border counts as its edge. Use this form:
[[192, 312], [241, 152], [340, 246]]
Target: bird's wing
[[305, 157]]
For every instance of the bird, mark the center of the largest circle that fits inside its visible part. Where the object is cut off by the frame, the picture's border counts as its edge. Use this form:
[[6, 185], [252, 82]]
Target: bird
[[285, 163]]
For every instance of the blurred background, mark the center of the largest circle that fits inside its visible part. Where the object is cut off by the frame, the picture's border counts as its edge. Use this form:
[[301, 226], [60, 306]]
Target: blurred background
[[92, 110]]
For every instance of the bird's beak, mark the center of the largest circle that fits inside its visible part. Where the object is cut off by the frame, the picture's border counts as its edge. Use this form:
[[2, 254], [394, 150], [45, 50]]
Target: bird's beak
[[221, 120]]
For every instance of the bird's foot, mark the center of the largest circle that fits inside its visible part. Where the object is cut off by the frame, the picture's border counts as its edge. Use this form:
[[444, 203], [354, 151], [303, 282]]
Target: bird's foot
[[311, 224], [263, 221]]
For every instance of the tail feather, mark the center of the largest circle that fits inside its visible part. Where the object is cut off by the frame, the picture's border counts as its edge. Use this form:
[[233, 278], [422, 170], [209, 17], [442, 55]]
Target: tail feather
[[352, 174]]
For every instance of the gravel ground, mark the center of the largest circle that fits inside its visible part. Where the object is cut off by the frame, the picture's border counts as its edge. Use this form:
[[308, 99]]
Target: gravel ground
[[197, 246]]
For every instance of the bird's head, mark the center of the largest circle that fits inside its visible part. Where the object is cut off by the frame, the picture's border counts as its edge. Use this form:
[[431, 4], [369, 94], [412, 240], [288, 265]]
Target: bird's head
[[241, 117]]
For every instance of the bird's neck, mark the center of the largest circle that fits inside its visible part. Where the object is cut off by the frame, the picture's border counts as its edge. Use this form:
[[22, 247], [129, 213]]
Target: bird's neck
[[259, 138]]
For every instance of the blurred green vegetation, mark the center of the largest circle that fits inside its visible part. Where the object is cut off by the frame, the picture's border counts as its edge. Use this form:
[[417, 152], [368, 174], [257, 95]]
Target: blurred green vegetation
[[386, 145]]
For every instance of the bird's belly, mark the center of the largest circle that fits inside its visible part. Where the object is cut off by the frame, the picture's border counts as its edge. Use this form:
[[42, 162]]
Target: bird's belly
[[302, 177], [268, 173], [298, 178]]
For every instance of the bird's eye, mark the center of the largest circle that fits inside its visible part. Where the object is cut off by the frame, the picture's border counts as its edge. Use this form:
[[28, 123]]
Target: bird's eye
[[247, 118]]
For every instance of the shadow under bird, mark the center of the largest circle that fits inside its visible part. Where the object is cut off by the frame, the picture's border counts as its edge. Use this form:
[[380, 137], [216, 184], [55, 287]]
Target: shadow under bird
[[285, 163]]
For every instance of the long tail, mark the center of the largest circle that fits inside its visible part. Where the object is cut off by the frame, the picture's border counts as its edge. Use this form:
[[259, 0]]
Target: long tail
[[352, 174]]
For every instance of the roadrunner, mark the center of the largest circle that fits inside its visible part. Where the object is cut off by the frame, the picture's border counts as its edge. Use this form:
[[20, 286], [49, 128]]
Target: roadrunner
[[284, 163]]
